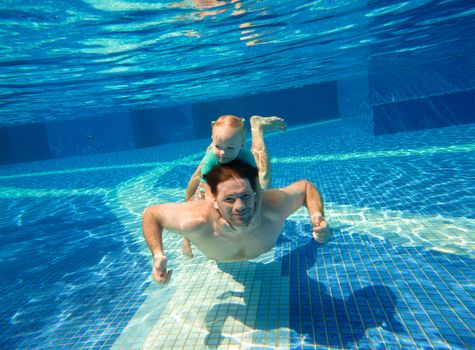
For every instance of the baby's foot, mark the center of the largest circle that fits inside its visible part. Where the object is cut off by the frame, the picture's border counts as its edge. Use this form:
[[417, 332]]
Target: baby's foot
[[186, 248], [268, 123]]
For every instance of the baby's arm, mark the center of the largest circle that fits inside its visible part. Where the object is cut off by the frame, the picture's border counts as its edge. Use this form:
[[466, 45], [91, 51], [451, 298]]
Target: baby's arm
[[193, 184], [195, 179]]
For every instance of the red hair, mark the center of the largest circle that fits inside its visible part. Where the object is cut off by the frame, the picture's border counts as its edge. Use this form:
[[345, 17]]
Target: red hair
[[230, 121]]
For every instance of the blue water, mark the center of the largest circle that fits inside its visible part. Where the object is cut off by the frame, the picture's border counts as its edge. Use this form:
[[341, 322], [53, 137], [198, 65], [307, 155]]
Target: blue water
[[393, 156], [65, 61]]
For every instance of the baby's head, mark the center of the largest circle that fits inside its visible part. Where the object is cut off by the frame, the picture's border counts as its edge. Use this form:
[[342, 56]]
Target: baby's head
[[229, 136]]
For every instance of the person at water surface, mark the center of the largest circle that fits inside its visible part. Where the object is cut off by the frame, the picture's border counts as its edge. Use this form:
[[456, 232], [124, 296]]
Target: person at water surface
[[238, 222]]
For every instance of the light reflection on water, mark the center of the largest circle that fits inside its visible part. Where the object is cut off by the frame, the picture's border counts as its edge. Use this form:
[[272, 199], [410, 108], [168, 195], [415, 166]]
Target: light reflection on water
[[63, 62]]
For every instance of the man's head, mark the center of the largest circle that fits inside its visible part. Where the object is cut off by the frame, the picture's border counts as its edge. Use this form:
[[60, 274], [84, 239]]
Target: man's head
[[233, 186], [229, 136]]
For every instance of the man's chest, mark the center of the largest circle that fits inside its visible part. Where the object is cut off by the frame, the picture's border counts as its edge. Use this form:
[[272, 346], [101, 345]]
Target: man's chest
[[235, 246]]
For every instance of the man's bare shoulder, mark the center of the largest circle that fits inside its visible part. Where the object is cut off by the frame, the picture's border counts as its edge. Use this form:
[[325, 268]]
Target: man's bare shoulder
[[283, 201], [196, 215], [273, 197], [183, 217], [273, 201]]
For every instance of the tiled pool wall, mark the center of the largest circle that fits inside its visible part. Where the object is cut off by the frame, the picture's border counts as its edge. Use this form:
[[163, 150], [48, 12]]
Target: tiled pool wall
[[385, 97]]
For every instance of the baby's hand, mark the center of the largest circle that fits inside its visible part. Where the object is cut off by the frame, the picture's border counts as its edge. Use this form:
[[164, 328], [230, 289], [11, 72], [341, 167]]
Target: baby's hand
[[159, 270], [321, 232]]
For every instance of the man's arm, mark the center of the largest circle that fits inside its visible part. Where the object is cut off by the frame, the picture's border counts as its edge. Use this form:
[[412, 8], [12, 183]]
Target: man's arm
[[175, 217], [292, 197]]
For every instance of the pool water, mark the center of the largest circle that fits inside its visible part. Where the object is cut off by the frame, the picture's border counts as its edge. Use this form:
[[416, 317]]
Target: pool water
[[398, 271]]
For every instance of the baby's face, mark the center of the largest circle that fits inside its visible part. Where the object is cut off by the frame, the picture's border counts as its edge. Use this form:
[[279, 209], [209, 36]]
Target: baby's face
[[227, 142]]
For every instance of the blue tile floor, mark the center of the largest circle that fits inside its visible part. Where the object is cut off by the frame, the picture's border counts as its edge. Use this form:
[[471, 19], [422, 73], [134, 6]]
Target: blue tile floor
[[398, 272]]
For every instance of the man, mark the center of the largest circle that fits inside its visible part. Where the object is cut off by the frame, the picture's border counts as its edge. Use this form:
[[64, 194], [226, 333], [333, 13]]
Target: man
[[238, 222]]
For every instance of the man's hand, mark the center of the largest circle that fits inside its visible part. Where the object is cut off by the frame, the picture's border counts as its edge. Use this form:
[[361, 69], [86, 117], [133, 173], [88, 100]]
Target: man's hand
[[159, 270], [321, 232]]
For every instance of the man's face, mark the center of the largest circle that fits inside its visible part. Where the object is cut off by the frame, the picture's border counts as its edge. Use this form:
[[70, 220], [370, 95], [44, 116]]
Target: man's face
[[227, 143], [236, 201]]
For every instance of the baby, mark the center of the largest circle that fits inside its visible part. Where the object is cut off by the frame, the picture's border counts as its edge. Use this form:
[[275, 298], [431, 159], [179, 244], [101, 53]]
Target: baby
[[228, 136]]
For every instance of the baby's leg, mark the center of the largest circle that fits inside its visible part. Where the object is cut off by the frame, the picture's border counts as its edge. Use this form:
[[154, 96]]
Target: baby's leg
[[258, 126], [186, 248]]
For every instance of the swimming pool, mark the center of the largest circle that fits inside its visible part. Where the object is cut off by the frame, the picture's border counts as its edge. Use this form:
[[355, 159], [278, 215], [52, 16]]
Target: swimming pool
[[105, 109], [397, 273]]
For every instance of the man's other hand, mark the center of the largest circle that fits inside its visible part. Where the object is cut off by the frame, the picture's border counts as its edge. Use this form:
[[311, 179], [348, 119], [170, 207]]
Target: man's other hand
[[159, 270], [321, 232]]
